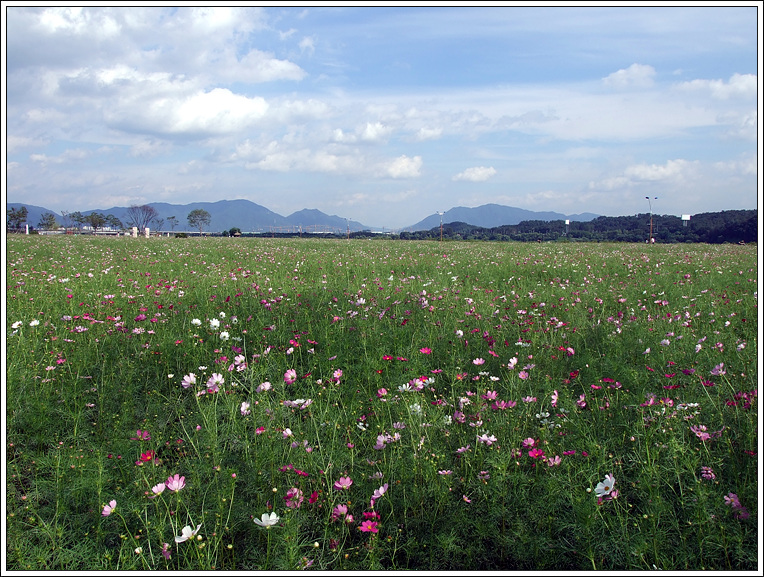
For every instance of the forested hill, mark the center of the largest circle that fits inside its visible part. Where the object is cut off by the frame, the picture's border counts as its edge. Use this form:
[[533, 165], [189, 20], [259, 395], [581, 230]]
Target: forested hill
[[710, 227]]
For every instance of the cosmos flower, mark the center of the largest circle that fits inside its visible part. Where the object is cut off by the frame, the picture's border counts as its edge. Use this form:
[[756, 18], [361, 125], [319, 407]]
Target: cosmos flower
[[605, 487], [267, 520], [107, 509], [187, 533]]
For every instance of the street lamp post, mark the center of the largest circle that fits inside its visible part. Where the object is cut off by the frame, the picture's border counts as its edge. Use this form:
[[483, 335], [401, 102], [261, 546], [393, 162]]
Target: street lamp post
[[651, 217], [441, 225]]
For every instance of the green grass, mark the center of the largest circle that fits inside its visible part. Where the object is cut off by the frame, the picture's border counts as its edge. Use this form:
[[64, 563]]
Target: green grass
[[101, 332]]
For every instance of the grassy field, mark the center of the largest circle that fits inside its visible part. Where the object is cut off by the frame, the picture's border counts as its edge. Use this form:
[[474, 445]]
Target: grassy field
[[243, 404]]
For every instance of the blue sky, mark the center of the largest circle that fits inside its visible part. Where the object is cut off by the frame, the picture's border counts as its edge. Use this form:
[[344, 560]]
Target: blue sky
[[384, 115]]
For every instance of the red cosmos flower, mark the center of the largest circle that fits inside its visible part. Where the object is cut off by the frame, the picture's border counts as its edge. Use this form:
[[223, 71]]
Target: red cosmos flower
[[574, 374]]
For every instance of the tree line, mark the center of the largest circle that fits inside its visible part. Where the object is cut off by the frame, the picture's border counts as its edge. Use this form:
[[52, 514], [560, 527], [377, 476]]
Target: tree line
[[733, 226], [140, 217]]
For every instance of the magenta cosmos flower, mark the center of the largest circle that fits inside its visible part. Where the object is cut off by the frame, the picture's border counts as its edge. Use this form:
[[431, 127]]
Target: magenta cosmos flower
[[294, 498], [369, 527]]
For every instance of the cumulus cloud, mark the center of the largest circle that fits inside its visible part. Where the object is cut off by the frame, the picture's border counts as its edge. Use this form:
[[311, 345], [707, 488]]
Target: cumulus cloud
[[635, 76], [218, 111], [476, 174], [674, 171], [738, 86], [405, 167], [376, 132]]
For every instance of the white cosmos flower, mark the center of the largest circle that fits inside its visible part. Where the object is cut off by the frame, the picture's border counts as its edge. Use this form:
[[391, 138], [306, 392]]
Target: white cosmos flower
[[196, 322], [187, 533], [267, 521], [605, 487], [214, 323]]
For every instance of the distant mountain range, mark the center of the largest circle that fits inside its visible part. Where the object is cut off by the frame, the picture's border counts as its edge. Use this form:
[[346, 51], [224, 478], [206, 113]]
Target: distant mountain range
[[251, 217], [492, 215]]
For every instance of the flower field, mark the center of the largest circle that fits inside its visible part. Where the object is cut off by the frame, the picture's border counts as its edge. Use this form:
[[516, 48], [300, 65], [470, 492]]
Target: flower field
[[249, 404]]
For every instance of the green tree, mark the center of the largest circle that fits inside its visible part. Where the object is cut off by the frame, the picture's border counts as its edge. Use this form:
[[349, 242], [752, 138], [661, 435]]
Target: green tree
[[114, 222], [47, 221], [17, 216], [173, 222], [95, 220], [199, 218]]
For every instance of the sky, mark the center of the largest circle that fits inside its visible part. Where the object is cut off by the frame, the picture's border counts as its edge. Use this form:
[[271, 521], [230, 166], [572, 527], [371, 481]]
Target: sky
[[384, 115]]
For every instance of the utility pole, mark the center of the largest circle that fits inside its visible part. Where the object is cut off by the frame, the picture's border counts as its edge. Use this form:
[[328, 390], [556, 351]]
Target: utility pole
[[651, 240], [441, 225]]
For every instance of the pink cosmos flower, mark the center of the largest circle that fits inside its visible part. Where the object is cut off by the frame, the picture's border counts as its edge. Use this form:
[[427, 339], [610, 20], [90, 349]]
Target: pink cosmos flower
[[107, 509], [536, 453], [369, 527], [343, 483], [339, 511], [175, 483], [485, 438], [290, 376], [529, 443], [478, 361], [294, 498], [378, 493], [523, 374], [141, 436], [188, 380], [266, 386], [337, 375], [490, 395], [425, 350], [729, 499], [718, 370], [157, 490], [555, 397], [214, 382]]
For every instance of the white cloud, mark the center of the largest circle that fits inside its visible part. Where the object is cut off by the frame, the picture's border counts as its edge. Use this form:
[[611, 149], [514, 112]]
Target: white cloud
[[635, 76], [405, 167], [428, 134], [476, 174], [671, 170], [376, 132], [14, 142], [675, 171], [149, 148], [70, 155], [218, 111], [307, 44], [738, 86], [78, 21]]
